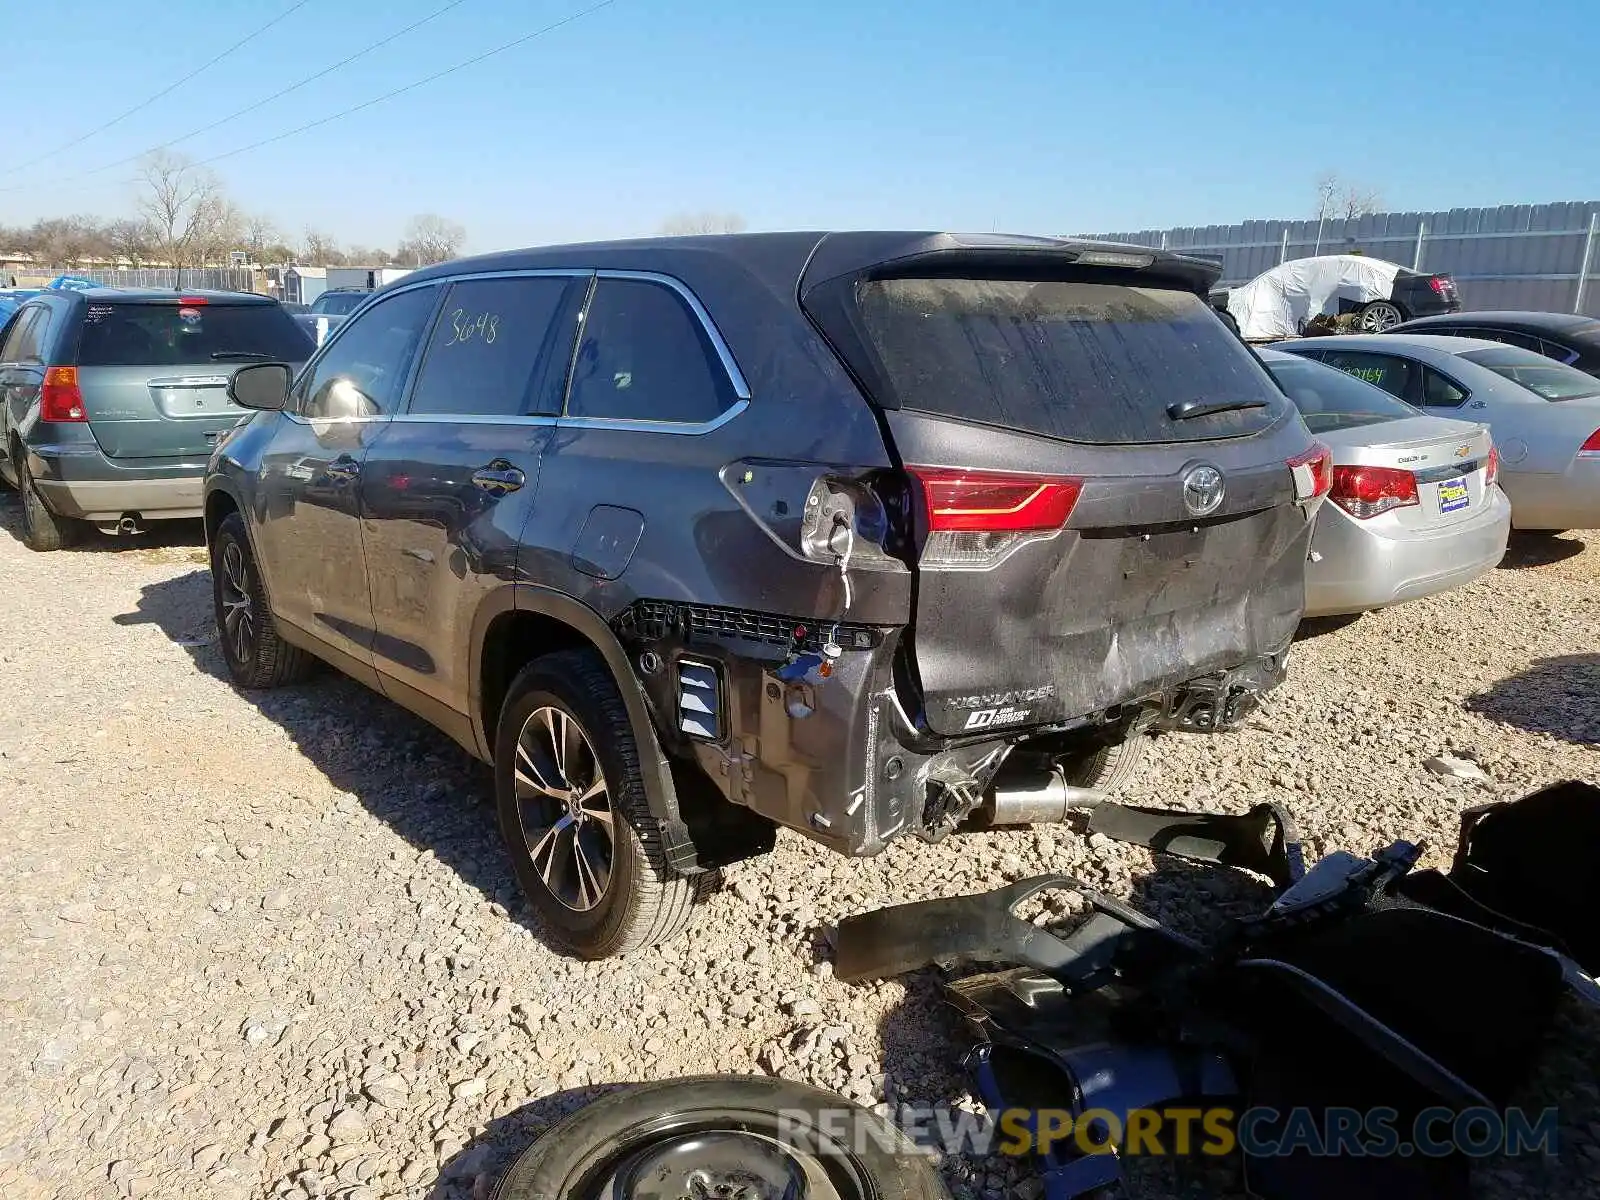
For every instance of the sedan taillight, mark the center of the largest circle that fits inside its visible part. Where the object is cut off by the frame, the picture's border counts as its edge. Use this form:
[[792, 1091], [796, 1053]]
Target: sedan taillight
[[1365, 492]]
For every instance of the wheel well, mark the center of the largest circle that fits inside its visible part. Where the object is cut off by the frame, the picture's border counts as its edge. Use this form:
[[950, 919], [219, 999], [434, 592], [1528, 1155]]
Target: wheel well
[[218, 505], [513, 640]]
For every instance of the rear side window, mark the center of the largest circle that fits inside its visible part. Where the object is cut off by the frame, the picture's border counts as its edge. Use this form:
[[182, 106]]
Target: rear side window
[[173, 335], [487, 347], [338, 304], [1386, 371], [1550, 380], [645, 356], [25, 342], [1329, 399], [1084, 362]]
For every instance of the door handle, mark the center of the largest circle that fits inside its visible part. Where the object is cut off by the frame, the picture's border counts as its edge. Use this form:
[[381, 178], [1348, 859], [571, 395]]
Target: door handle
[[499, 478], [342, 468]]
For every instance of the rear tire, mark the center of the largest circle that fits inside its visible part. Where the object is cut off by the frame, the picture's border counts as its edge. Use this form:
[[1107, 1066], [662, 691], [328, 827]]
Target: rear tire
[[1107, 768], [681, 1122], [1379, 316], [42, 530], [574, 814], [256, 655]]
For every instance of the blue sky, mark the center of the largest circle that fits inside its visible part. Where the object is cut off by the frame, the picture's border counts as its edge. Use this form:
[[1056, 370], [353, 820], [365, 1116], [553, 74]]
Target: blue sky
[[1025, 116]]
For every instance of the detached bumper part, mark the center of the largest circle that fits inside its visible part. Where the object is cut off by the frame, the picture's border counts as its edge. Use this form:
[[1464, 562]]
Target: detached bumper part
[[1365, 984]]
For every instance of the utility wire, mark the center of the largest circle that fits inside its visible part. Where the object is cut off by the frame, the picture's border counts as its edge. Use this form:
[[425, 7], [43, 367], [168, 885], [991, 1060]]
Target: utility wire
[[279, 95], [166, 91], [460, 66]]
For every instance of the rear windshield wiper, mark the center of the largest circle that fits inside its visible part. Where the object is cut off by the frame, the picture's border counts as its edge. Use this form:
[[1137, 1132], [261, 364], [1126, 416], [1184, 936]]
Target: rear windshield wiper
[[1186, 409], [253, 355]]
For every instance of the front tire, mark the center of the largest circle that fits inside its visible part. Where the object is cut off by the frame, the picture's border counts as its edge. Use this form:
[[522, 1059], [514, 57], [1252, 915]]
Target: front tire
[[42, 530], [720, 1136], [256, 655], [574, 815], [1379, 316]]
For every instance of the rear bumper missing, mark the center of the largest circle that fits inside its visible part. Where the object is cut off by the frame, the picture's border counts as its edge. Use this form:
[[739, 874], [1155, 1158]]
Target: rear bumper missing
[[841, 759]]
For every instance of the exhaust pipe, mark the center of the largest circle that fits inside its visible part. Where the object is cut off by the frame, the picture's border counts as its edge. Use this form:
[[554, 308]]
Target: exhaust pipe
[[128, 526], [1038, 799]]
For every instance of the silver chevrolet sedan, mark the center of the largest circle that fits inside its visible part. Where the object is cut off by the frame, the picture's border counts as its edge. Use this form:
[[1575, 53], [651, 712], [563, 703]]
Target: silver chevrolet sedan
[[1414, 509], [1545, 415]]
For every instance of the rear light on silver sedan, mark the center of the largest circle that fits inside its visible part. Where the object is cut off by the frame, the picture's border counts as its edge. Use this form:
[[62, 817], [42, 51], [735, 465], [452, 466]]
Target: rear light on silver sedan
[[1491, 467], [1365, 492], [1592, 446]]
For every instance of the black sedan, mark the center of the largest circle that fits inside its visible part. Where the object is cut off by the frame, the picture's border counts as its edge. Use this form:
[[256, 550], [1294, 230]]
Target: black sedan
[[1566, 337]]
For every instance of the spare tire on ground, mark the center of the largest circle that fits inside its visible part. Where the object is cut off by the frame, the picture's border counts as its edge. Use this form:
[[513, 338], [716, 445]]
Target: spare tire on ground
[[722, 1137]]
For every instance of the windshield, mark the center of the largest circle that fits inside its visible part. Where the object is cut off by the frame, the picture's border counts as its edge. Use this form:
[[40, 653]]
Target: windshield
[[1540, 375], [169, 335], [339, 304], [1084, 362], [1330, 399]]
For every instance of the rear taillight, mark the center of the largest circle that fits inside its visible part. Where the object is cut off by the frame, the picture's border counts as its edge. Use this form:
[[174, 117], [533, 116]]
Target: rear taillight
[[977, 518], [1367, 491], [1313, 473], [1491, 467], [59, 398], [1439, 284], [1592, 446]]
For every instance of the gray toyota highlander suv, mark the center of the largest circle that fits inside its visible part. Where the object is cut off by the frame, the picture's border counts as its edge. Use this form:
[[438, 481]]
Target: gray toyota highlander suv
[[862, 534], [111, 400]]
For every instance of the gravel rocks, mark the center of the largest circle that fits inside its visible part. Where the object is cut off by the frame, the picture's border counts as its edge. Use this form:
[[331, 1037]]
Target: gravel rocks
[[267, 945]]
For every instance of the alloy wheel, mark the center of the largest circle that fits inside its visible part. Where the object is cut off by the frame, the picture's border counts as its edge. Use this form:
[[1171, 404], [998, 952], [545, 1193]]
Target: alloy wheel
[[564, 808], [1380, 318], [238, 605]]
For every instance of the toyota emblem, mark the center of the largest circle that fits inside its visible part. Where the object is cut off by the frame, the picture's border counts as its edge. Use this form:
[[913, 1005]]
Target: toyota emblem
[[1202, 491]]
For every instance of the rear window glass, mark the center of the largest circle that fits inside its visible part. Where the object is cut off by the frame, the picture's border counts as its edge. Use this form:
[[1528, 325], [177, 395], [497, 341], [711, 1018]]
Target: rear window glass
[[170, 335], [1330, 399], [339, 304], [1084, 362], [1552, 380]]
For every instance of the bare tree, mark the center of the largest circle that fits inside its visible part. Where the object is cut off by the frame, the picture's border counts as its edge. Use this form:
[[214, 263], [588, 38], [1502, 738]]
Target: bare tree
[[431, 238], [366, 256], [703, 222], [260, 237], [65, 241], [185, 206], [131, 239], [320, 250], [1338, 198]]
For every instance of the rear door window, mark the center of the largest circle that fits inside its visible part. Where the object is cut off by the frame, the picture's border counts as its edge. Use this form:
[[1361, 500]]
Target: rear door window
[[178, 334], [488, 344], [1083, 362], [1394, 375], [645, 356], [1549, 380]]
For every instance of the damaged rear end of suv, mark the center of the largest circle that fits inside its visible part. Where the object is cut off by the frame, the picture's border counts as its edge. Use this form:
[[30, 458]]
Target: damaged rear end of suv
[[1093, 526]]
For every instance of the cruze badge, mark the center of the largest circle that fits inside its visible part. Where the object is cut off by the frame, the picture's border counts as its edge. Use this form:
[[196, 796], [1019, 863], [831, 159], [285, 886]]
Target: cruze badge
[[1202, 491]]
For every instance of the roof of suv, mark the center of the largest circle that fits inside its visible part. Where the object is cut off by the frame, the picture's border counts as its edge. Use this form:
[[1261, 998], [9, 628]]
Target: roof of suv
[[780, 259]]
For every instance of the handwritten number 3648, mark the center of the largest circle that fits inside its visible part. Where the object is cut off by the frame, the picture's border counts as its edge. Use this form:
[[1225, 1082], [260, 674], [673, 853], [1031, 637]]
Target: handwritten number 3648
[[466, 327]]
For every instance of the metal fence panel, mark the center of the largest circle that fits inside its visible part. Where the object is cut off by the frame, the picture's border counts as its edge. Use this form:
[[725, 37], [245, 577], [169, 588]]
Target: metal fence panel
[[1528, 256], [224, 279]]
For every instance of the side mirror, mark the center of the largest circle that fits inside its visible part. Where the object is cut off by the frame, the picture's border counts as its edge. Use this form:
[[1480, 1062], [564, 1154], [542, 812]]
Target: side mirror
[[263, 386]]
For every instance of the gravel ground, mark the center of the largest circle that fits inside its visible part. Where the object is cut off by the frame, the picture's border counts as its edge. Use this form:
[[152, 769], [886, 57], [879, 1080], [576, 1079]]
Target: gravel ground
[[267, 945]]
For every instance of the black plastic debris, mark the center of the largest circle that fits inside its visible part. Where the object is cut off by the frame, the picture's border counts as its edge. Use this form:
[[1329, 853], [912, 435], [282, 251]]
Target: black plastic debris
[[1364, 986]]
